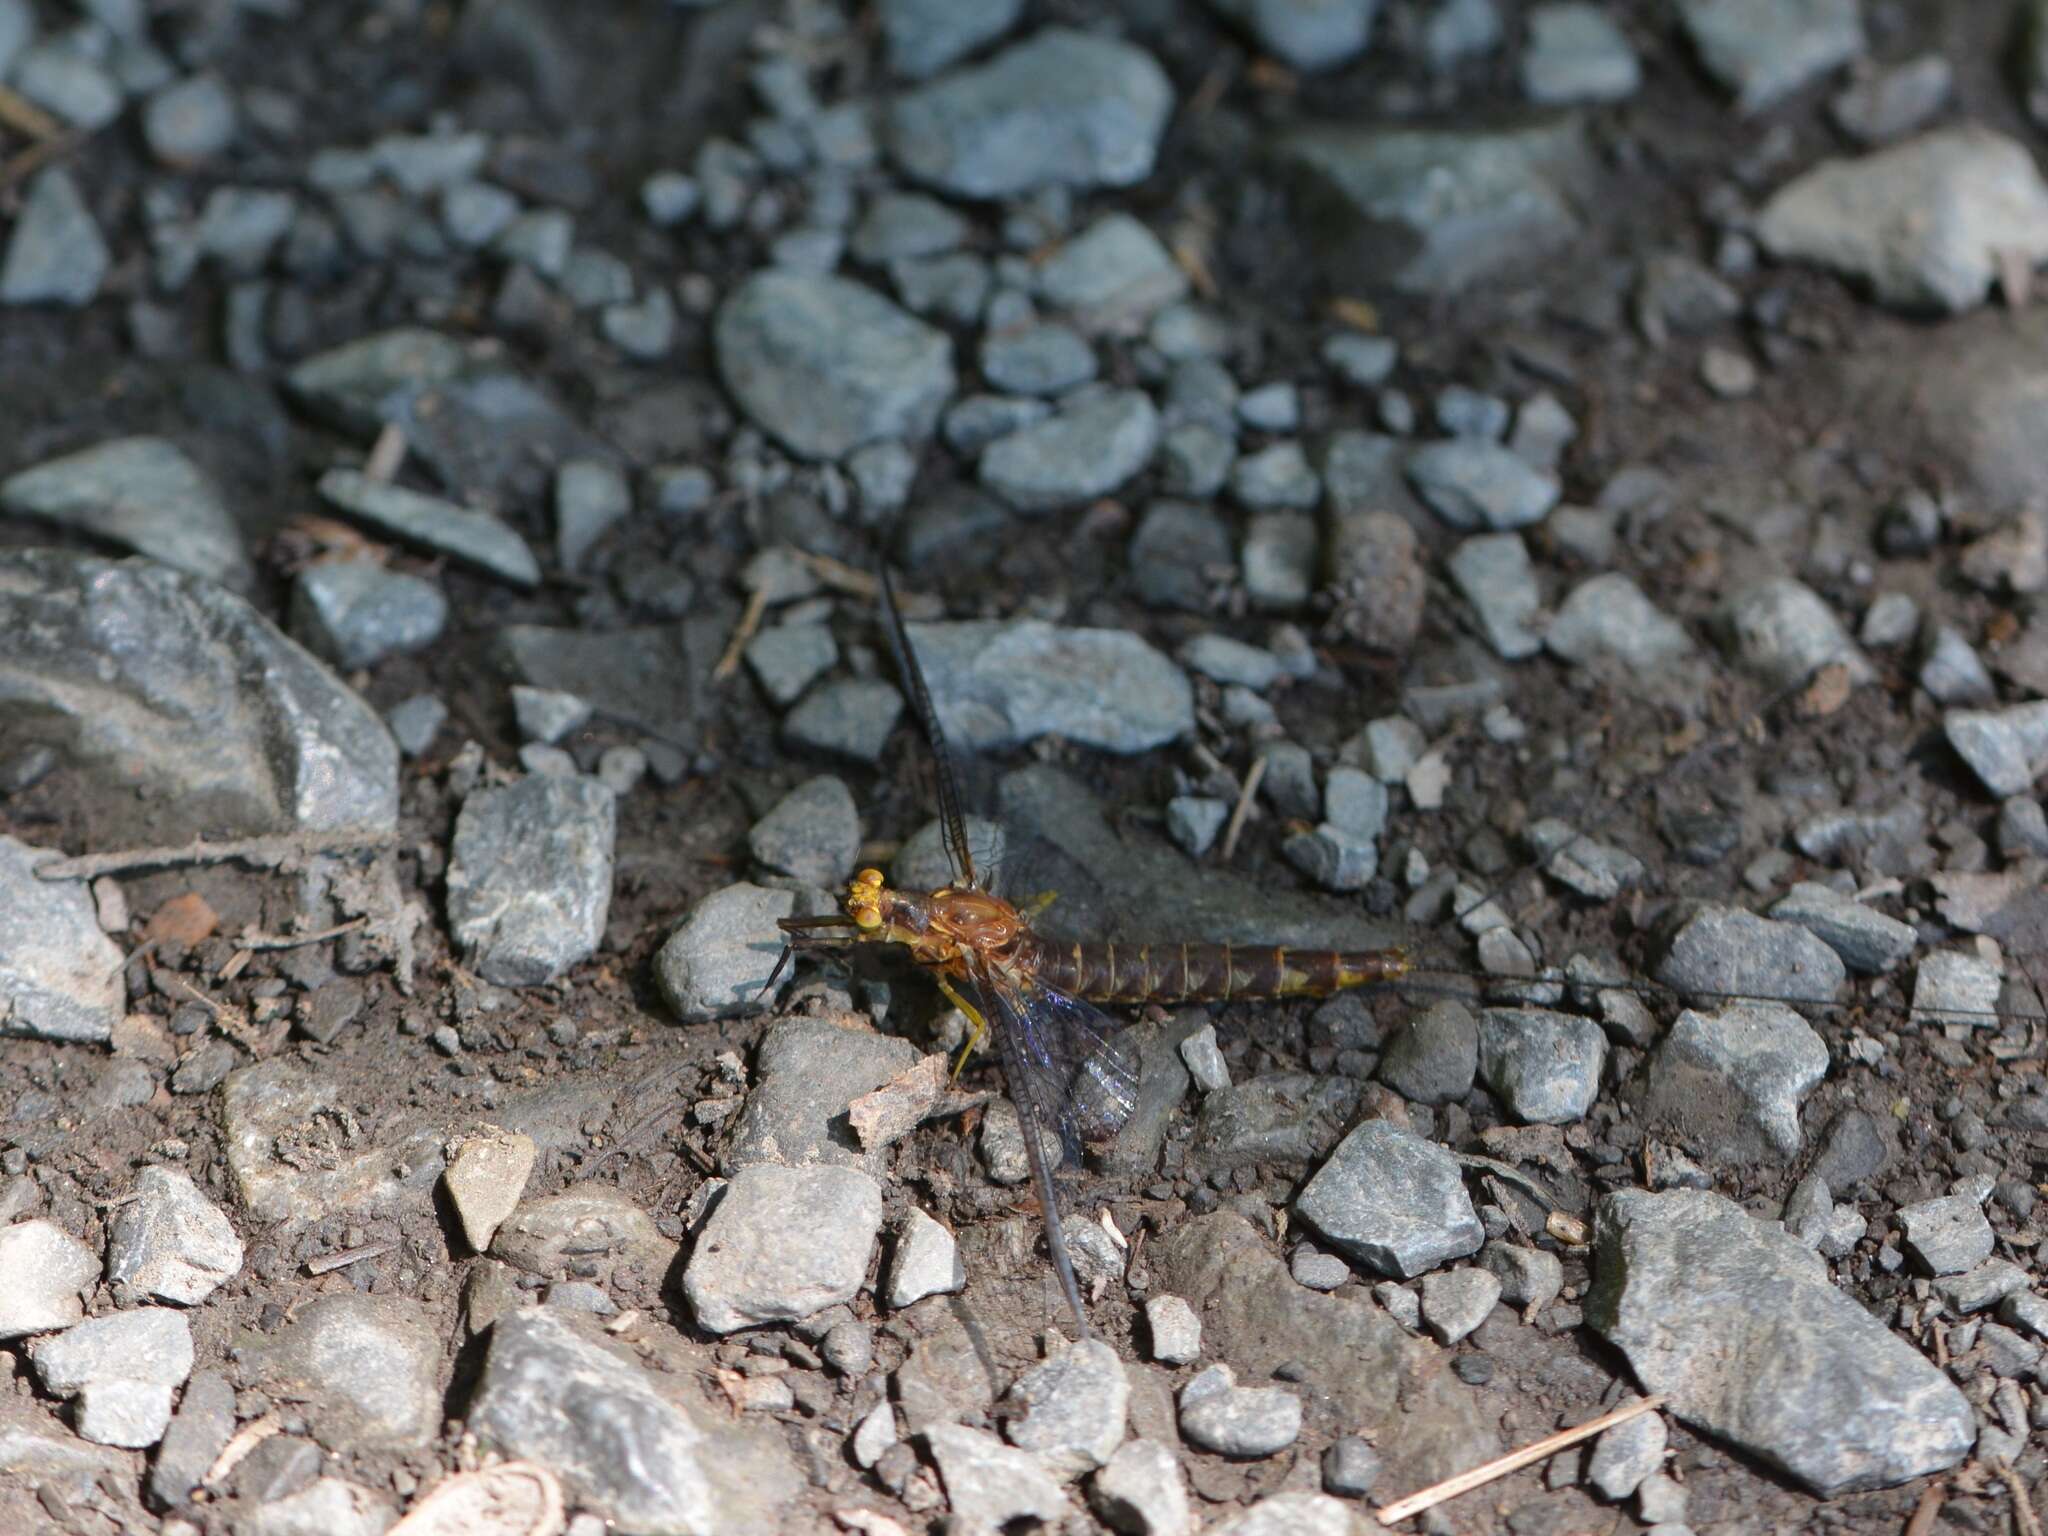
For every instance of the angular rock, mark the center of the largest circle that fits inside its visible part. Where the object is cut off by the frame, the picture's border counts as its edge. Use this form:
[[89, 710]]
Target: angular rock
[[1394, 1200], [1437, 211], [1607, 618], [827, 365], [1433, 1057], [1074, 1409], [811, 833], [782, 1244], [1948, 1235], [205, 1419], [475, 538], [265, 1109], [46, 1268], [807, 1072], [170, 1241], [2006, 748], [366, 1370], [1498, 579], [61, 977], [1763, 50], [1307, 35], [141, 493], [991, 1486], [1218, 1415], [592, 1227], [331, 1506], [1063, 108], [1111, 275], [122, 1368], [1456, 1301], [721, 955], [159, 684], [1952, 987], [1141, 1489], [1175, 1330], [1626, 1454], [1738, 1323], [998, 685], [530, 877], [1576, 54], [1544, 1067], [1735, 1078], [1924, 224], [485, 1178], [354, 613], [1277, 1117], [1473, 485], [1869, 942], [1079, 454], [1719, 951], [56, 254], [923, 37], [926, 1262]]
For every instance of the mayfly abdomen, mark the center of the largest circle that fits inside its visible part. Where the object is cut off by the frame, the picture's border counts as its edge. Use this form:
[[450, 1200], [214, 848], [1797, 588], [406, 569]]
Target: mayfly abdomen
[[1194, 973]]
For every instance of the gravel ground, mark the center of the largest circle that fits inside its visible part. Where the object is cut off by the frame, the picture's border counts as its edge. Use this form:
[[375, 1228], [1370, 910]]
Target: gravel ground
[[1551, 485]]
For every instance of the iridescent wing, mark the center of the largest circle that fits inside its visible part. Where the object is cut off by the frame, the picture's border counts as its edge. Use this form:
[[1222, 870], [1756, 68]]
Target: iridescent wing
[[1068, 1066], [952, 819]]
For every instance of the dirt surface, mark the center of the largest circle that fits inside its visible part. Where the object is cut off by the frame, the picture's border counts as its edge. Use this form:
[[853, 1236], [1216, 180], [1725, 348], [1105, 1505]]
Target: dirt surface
[[1792, 480]]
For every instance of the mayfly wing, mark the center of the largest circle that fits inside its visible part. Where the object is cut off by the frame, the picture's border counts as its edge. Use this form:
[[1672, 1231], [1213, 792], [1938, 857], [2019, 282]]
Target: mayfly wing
[[952, 818], [1076, 1064]]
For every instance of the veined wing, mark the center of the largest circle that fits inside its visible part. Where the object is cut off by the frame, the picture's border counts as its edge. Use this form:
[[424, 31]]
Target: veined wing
[[952, 818], [1070, 1061]]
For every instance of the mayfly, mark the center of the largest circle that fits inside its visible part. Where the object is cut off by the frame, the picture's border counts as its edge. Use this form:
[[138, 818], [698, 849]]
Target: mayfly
[[1065, 1066]]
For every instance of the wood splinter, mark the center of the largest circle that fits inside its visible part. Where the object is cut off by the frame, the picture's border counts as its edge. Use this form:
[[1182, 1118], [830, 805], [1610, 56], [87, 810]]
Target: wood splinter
[[1514, 1461]]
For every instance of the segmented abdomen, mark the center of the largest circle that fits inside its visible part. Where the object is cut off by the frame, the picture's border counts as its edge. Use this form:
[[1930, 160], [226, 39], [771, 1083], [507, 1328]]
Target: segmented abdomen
[[1201, 973]]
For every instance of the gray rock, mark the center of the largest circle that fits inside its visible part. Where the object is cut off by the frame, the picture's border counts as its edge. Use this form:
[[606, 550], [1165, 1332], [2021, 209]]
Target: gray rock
[[1456, 1301], [141, 493], [1762, 51], [61, 977], [998, 685], [1719, 951], [1037, 360], [926, 1262], [782, 1244], [1289, 1514], [807, 1072], [122, 1368], [1869, 942], [1985, 1286], [2006, 748], [477, 424], [1277, 1117], [1175, 552], [1231, 661], [1333, 858], [264, 1108], [178, 714], [979, 420], [1080, 453], [1394, 1200], [788, 658], [56, 254], [1218, 1415], [851, 718], [1946, 1236], [540, 238], [355, 613], [670, 198], [1274, 407], [1063, 108], [485, 1178], [190, 121], [1142, 1489], [1175, 1330], [170, 1241], [898, 225], [827, 365], [46, 1268], [1893, 102], [719, 958], [951, 287], [991, 1486], [1626, 1454], [1607, 619], [475, 213], [922, 37], [1274, 478], [1497, 578], [1595, 870], [1951, 670], [1473, 485], [1363, 362], [1575, 54], [1437, 211], [1737, 1077], [591, 495], [205, 1419], [530, 877], [328, 1507], [1738, 1322], [1872, 219], [1952, 987], [67, 81], [1194, 821], [1544, 1067], [365, 1370], [1074, 1407], [591, 1227], [1195, 460], [17, 28], [621, 1445], [548, 714], [811, 833], [1530, 1278], [1462, 411], [1280, 550], [1308, 35], [1434, 1056], [477, 539], [2027, 1311]]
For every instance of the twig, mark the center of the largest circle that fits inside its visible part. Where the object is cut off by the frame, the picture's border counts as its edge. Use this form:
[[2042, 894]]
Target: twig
[[837, 574], [24, 165], [1243, 808], [1929, 1507], [1514, 1461], [247, 1438], [24, 116], [387, 453], [2022, 1507], [749, 624], [327, 1263], [270, 851], [251, 939]]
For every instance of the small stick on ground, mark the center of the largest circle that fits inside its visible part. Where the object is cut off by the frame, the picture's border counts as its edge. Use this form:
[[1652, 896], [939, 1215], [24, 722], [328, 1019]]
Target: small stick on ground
[[251, 939], [387, 454], [749, 625], [1929, 1507], [269, 852], [327, 1263], [18, 169], [24, 116], [1514, 1461], [246, 1439], [1243, 808], [2023, 1514], [837, 574]]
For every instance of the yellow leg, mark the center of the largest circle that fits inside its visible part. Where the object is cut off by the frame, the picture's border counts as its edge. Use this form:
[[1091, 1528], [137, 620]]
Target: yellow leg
[[1033, 908], [974, 1019]]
